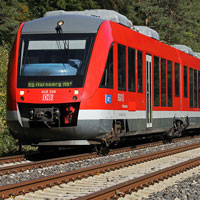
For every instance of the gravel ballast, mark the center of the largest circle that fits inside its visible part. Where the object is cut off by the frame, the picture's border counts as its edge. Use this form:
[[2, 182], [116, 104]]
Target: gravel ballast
[[47, 171], [189, 189]]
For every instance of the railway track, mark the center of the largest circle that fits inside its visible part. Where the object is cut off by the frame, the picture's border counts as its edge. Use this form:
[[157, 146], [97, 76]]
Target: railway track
[[11, 159], [66, 185], [20, 164]]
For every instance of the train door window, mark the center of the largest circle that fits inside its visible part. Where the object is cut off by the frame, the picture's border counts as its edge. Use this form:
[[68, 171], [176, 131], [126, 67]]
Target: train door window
[[121, 67], [199, 89], [131, 70], [195, 88], [185, 82], [177, 84], [191, 88], [156, 82], [140, 65], [163, 82], [169, 81], [107, 79]]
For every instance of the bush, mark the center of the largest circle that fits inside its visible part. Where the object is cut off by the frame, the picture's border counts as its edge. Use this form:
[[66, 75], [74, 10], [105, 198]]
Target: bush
[[7, 143]]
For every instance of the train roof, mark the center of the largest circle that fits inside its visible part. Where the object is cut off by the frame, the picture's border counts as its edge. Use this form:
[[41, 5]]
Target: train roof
[[88, 21], [147, 31], [72, 24], [184, 48], [104, 14], [197, 54]]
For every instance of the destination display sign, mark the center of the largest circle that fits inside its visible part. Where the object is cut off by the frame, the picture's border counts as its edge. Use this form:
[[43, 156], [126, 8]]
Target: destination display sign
[[38, 84]]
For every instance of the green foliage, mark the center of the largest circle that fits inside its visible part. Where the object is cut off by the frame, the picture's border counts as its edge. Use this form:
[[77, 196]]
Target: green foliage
[[3, 75], [7, 143], [176, 21], [12, 13]]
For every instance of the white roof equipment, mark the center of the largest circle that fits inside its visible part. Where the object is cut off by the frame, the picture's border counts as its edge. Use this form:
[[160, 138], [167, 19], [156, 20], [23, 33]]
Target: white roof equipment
[[197, 54], [100, 13], [184, 48], [147, 31]]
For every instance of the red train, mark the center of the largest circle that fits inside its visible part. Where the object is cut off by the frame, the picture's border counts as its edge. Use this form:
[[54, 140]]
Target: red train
[[75, 79]]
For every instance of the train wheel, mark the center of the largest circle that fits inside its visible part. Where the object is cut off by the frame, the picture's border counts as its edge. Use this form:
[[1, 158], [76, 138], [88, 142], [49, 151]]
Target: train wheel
[[104, 150], [166, 139]]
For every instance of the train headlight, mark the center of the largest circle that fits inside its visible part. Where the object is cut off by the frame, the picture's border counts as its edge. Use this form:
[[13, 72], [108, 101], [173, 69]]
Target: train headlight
[[76, 91], [60, 23], [21, 92]]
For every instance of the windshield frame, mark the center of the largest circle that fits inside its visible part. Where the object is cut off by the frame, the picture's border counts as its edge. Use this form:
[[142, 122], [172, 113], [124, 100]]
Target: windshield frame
[[55, 81]]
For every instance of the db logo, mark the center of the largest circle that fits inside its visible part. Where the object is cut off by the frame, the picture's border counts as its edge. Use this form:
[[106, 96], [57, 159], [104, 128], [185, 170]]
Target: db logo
[[47, 97]]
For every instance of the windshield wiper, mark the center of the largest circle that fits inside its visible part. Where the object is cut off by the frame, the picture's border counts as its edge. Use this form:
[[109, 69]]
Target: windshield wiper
[[60, 37]]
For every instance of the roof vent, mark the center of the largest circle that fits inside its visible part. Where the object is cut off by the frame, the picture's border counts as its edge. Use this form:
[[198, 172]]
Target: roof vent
[[100, 13], [197, 54], [184, 48], [147, 31]]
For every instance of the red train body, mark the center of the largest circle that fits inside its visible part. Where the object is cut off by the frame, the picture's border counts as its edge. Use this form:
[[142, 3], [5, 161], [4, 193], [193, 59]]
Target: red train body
[[129, 84]]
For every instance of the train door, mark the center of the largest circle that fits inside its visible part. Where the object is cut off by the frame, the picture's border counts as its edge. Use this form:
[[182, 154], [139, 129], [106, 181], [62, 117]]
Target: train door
[[121, 104], [149, 90]]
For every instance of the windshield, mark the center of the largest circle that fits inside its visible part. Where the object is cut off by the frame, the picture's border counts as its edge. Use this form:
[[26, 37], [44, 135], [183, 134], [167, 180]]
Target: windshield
[[53, 60]]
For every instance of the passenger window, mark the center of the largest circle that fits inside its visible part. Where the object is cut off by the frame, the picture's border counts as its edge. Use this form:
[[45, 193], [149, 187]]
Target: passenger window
[[176, 79], [140, 65], [169, 81], [185, 82], [163, 82], [199, 88], [121, 67], [107, 79], [131, 70], [156, 82], [191, 88], [195, 88]]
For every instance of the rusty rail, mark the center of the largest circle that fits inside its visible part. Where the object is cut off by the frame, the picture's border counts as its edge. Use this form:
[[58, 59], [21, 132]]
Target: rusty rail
[[128, 187], [33, 185], [56, 161], [9, 159]]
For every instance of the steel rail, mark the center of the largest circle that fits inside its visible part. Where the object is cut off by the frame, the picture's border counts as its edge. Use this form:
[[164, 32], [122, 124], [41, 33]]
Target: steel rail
[[9, 159], [33, 185], [56, 161], [136, 184]]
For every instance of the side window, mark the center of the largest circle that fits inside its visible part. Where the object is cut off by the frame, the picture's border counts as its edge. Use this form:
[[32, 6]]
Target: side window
[[176, 70], [169, 81], [199, 88], [195, 88], [107, 79], [191, 88], [131, 70], [185, 82], [140, 65], [163, 82], [121, 67], [156, 82]]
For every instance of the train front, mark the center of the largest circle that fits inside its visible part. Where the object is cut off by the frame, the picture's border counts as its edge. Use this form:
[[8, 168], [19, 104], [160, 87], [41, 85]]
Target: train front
[[46, 75]]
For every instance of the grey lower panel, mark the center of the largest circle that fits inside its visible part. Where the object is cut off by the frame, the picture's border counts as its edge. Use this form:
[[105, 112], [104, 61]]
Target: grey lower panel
[[141, 124], [68, 143], [93, 128], [85, 130], [88, 129]]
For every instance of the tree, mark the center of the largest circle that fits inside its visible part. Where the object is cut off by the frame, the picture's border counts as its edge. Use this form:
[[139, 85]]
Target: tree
[[12, 13]]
